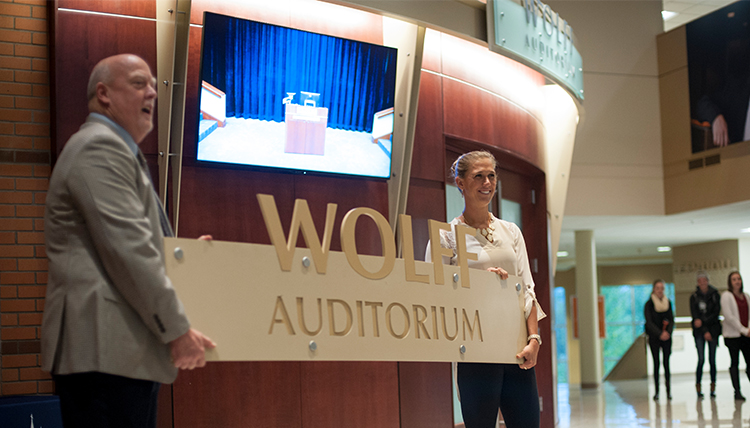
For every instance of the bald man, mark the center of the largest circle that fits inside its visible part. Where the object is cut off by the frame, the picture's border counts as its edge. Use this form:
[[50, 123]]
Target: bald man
[[113, 327]]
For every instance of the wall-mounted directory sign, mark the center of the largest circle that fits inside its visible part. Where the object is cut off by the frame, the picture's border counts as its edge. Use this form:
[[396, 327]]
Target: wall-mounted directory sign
[[532, 33]]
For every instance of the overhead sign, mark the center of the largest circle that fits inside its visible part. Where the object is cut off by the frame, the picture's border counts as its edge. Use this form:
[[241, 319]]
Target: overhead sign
[[278, 302], [534, 34]]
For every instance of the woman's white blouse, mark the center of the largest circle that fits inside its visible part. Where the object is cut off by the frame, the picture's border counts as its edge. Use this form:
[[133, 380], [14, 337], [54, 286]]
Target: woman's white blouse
[[732, 326], [507, 251]]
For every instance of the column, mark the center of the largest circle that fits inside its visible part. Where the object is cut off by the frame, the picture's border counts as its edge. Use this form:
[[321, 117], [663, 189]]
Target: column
[[588, 319]]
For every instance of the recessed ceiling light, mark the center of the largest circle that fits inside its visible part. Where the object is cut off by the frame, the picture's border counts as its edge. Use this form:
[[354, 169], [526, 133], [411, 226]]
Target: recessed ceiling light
[[745, 230], [562, 254], [664, 249], [667, 15]]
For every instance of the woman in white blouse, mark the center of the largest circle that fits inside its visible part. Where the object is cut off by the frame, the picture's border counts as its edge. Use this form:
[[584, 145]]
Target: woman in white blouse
[[501, 249], [734, 305]]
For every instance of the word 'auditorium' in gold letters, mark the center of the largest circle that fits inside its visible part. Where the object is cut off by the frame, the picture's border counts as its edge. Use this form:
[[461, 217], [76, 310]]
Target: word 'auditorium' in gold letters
[[302, 219], [280, 302]]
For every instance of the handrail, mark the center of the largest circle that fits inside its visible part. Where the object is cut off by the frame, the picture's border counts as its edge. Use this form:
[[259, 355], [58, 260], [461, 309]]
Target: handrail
[[213, 89]]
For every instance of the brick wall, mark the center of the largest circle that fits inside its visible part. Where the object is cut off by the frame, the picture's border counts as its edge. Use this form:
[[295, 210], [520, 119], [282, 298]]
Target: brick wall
[[24, 172]]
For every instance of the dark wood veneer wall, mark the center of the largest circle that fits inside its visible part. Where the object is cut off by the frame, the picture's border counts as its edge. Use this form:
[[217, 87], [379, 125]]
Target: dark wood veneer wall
[[222, 201], [321, 394], [81, 40]]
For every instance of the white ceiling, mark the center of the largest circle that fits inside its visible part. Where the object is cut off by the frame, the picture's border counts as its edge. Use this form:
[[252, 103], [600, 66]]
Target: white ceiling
[[688, 10], [622, 240]]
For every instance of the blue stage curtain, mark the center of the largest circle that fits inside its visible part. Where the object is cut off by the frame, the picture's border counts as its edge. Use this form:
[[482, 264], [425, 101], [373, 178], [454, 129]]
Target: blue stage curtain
[[256, 64]]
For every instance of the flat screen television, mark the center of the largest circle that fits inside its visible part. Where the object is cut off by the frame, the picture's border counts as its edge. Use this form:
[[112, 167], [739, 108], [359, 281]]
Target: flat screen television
[[277, 97]]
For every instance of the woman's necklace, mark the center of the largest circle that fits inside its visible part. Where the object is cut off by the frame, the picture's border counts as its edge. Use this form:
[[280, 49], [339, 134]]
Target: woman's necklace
[[487, 232]]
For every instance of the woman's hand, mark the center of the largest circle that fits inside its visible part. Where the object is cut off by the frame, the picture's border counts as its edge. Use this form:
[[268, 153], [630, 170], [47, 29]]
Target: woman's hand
[[500, 271], [529, 354], [205, 238]]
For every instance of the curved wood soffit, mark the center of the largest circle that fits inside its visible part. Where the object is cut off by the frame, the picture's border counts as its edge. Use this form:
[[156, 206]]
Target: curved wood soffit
[[486, 98]]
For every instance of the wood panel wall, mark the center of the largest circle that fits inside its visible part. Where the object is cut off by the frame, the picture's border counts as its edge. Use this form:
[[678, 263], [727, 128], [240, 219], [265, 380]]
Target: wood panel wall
[[221, 201], [82, 40]]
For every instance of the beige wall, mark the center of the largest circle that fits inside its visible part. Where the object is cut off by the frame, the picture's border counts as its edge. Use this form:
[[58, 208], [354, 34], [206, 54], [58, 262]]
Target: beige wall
[[607, 275], [617, 167], [634, 275], [716, 258], [716, 184]]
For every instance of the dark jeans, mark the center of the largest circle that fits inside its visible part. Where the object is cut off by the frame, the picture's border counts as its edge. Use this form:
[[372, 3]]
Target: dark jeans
[[735, 345], [486, 387], [90, 400], [666, 349], [700, 341]]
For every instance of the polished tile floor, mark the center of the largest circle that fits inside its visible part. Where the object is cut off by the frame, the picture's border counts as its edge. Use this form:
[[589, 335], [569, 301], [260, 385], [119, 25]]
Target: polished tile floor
[[625, 404]]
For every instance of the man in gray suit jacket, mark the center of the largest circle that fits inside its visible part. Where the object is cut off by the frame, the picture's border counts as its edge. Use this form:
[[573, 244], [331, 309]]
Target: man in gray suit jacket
[[113, 327]]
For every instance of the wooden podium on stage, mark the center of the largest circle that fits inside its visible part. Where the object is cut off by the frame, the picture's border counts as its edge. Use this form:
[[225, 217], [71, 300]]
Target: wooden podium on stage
[[305, 129]]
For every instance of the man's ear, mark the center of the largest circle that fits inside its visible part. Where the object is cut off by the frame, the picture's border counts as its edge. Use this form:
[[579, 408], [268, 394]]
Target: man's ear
[[102, 94]]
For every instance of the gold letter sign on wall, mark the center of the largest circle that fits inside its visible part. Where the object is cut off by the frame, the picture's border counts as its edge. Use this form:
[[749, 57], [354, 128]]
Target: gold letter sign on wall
[[268, 302]]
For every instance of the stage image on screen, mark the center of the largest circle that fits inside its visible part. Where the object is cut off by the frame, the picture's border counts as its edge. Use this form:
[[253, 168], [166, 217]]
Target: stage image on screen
[[278, 97]]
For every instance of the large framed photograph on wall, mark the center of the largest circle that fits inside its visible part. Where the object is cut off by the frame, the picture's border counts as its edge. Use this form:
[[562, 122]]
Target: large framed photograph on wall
[[718, 47]]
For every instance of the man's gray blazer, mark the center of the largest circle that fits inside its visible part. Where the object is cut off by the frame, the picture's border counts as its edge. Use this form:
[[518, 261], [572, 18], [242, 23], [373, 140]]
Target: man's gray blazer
[[110, 307]]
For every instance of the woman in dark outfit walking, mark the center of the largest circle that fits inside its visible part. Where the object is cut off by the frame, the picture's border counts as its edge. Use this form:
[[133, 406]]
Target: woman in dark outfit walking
[[659, 326]]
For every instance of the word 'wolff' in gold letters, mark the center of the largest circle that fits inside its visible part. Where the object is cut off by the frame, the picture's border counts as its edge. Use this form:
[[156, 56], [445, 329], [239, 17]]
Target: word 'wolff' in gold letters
[[396, 317], [302, 219]]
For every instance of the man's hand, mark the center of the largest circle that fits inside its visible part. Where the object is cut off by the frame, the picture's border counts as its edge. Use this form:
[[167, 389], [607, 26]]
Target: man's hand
[[529, 354], [708, 336], [720, 130], [697, 323], [189, 350], [664, 336], [205, 238]]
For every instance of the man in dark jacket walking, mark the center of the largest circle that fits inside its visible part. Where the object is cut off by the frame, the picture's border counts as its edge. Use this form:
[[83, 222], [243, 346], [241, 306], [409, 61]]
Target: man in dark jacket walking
[[705, 305]]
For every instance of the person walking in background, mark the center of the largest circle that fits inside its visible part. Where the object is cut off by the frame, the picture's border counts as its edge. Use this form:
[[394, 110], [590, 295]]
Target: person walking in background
[[659, 326], [734, 306], [705, 305]]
